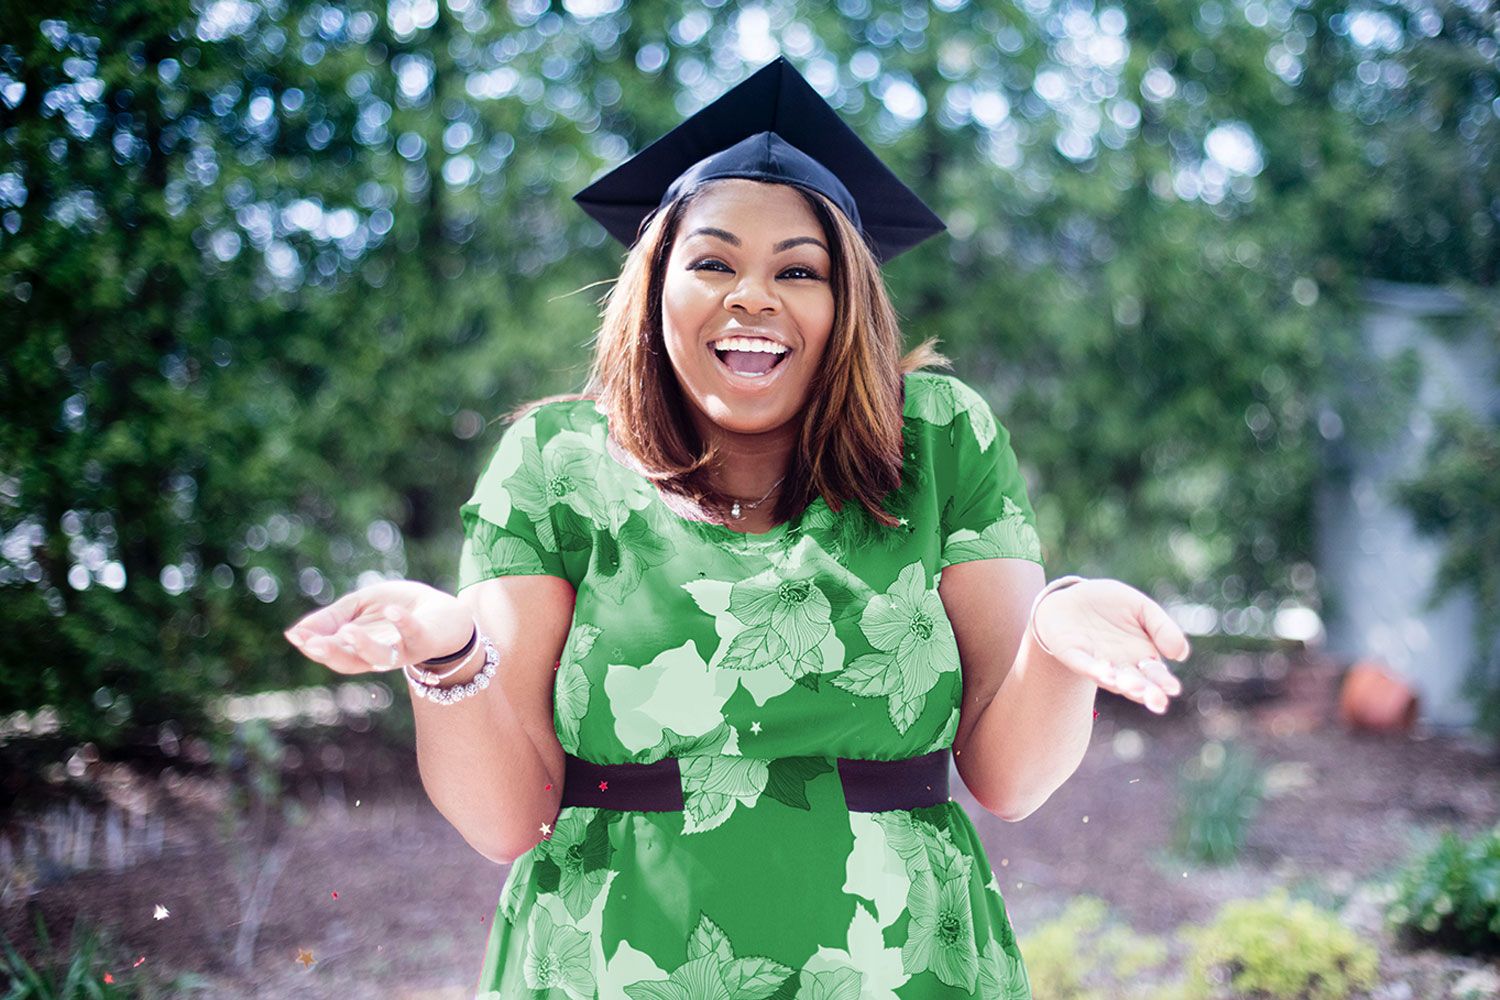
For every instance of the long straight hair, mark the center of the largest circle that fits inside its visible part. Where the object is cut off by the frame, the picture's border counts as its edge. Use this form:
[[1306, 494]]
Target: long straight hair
[[850, 444]]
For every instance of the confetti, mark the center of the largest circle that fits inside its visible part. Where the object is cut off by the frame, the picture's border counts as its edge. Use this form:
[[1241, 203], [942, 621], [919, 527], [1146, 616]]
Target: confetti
[[108, 978], [305, 956], [1085, 819], [161, 912], [1096, 713], [549, 786], [138, 962], [1134, 780], [546, 829], [356, 803], [603, 786], [334, 893], [755, 727]]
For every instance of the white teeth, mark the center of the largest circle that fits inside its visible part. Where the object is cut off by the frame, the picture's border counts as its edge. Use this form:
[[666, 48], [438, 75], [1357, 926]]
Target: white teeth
[[755, 344]]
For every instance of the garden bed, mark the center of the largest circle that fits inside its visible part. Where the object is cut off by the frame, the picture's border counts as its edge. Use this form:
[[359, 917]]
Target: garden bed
[[381, 897]]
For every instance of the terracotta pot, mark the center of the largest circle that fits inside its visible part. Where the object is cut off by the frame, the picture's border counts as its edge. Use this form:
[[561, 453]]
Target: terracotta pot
[[1374, 698]]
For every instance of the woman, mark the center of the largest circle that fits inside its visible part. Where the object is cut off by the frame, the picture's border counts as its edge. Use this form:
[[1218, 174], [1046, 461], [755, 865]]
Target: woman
[[747, 590]]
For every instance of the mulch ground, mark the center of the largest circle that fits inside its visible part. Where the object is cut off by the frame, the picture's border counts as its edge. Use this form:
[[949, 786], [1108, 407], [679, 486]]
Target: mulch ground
[[387, 900]]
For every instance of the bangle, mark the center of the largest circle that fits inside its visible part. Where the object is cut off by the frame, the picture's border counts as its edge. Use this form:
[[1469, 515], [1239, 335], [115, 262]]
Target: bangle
[[430, 679], [458, 692], [438, 661], [427, 678], [1058, 584]]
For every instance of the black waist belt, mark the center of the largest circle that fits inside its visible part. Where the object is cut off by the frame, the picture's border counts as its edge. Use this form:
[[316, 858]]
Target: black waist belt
[[869, 785]]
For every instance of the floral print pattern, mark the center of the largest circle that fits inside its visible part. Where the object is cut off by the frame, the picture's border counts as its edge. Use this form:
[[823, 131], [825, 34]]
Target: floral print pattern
[[914, 641], [756, 662]]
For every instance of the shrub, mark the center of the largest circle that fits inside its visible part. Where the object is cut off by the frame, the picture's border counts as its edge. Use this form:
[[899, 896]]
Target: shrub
[[83, 972], [1450, 897], [1219, 795], [1277, 948], [1068, 957]]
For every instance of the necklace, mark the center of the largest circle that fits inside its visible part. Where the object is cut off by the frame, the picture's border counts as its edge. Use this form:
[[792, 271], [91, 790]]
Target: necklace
[[734, 511]]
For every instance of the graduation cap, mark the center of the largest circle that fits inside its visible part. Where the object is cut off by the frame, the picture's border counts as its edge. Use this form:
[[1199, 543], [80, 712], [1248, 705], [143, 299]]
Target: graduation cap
[[772, 126]]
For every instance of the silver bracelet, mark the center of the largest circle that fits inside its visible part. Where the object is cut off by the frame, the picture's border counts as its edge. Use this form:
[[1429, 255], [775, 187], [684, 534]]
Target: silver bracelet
[[448, 694], [1058, 584]]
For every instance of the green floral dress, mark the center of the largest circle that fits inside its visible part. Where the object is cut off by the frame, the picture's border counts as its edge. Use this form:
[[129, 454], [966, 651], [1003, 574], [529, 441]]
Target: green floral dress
[[757, 660]]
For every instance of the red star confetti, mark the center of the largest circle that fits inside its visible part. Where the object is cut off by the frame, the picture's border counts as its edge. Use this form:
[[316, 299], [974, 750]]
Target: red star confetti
[[108, 978], [305, 956], [334, 893], [160, 913], [603, 786], [1096, 713], [549, 786]]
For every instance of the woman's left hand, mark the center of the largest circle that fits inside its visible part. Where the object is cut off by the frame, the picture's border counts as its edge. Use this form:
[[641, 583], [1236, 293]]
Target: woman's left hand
[[1116, 636]]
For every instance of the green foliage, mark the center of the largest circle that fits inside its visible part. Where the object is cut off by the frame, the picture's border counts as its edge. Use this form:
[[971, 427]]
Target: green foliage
[[91, 968], [1450, 897], [266, 280], [1278, 949], [1219, 794], [252, 758], [1083, 955], [1455, 497]]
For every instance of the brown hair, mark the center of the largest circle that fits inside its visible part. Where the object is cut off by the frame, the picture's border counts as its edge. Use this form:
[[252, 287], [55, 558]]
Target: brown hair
[[850, 445]]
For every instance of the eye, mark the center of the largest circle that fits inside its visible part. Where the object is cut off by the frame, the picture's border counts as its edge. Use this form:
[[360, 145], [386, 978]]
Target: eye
[[797, 271], [805, 272]]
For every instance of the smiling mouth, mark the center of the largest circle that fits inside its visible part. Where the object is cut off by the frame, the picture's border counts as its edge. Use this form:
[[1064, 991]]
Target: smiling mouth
[[750, 364]]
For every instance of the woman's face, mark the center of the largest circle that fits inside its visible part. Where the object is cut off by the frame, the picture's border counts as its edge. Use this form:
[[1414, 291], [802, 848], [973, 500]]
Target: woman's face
[[750, 261]]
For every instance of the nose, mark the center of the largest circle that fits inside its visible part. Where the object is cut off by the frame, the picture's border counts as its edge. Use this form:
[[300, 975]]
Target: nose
[[751, 295]]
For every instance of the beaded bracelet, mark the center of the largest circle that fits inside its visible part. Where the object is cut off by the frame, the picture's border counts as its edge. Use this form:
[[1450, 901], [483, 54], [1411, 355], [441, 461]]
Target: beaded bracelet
[[1058, 584], [447, 695]]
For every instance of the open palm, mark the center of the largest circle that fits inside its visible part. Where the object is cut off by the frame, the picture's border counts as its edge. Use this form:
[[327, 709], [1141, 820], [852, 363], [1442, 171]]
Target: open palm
[[1115, 635]]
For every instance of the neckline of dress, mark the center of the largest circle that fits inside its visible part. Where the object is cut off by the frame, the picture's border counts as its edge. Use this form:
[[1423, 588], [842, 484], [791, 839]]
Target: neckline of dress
[[719, 532]]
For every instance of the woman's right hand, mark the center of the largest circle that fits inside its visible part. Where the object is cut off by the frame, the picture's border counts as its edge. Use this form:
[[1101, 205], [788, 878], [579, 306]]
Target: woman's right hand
[[382, 626]]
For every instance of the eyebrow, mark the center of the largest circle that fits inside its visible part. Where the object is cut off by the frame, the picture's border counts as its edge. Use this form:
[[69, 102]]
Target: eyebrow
[[734, 240]]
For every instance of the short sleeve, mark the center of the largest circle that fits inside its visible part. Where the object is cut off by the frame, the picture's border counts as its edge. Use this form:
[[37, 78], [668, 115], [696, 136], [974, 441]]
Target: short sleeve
[[988, 515], [507, 522]]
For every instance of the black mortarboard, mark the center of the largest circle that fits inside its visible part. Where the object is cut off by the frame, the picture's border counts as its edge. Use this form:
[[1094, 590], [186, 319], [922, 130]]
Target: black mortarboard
[[771, 126]]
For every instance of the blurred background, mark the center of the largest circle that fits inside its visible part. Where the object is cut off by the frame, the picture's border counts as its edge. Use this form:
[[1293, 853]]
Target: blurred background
[[269, 271]]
